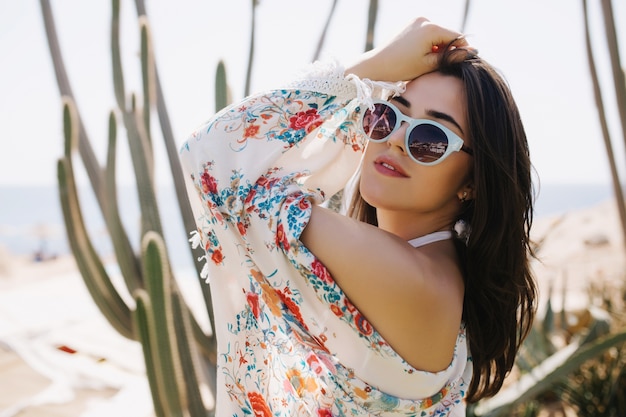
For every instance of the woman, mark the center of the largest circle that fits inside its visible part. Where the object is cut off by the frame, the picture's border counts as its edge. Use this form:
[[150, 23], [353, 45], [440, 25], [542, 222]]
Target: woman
[[376, 313]]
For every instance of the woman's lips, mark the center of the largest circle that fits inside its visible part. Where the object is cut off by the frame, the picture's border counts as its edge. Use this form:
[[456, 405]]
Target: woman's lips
[[387, 166]]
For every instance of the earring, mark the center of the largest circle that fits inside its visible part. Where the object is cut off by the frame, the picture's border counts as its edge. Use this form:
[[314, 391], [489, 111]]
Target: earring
[[463, 198]]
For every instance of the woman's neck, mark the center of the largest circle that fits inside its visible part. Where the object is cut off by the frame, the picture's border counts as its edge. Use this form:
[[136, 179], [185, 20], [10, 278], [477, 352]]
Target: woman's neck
[[409, 225]]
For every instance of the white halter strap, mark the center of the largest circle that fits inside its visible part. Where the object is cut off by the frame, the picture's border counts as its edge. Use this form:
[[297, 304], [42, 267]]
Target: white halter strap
[[430, 238]]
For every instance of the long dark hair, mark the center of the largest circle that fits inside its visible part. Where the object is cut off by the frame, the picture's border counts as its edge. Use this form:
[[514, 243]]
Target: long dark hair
[[500, 291]]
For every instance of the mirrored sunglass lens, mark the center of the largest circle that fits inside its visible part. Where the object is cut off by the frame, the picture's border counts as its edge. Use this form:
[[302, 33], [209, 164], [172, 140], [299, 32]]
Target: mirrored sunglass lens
[[427, 143], [379, 123]]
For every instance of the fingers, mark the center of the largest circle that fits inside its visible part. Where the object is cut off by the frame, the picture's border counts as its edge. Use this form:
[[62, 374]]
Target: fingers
[[439, 36], [450, 40], [460, 47]]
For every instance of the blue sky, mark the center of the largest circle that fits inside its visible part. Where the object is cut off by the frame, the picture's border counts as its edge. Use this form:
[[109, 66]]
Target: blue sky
[[538, 45]]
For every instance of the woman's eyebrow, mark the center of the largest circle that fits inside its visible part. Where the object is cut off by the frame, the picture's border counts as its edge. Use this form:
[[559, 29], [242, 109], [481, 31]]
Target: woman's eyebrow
[[402, 101], [444, 116], [432, 113]]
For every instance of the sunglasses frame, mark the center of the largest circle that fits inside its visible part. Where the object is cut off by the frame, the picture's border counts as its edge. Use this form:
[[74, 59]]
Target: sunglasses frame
[[455, 143]]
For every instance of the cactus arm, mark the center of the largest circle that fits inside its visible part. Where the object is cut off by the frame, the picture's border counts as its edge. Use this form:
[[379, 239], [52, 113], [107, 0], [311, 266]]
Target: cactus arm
[[189, 357], [126, 259], [143, 324], [144, 172], [171, 329], [106, 297], [222, 98], [158, 285], [189, 222], [184, 205], [553, 369], [465, 15], [322, 39], [206, 343], [139, 143], [251, 50], [147, 73], [87, 153], [116, 59], [372, 15], [141, 7], [165, 329], [92, 269]]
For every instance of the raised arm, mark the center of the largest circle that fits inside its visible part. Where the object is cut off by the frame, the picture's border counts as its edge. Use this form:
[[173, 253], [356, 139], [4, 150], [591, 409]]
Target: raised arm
[[408, 295]]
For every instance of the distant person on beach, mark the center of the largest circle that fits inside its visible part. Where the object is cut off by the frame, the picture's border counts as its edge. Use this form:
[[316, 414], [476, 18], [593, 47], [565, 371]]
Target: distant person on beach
[[416, 300]]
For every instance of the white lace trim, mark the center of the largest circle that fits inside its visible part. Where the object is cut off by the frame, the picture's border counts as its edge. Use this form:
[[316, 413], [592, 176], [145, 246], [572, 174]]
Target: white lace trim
[[328, 77], [367, 89]]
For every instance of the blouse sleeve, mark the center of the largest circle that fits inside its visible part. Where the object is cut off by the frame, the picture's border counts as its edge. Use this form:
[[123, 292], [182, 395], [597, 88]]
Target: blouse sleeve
[[257, 165]]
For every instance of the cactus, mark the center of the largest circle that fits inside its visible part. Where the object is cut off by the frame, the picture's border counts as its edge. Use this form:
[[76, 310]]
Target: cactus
[[172, 340], [552, 370], [142, 320], [89, 263], [162, 321], [166, 334], [176, 170], [544, 365]]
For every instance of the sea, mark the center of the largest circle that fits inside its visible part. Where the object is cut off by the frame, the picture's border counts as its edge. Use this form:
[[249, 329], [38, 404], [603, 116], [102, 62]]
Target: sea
[[31, 220]]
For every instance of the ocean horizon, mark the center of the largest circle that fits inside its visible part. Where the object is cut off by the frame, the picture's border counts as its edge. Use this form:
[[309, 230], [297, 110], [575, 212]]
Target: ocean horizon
[[31, 220]]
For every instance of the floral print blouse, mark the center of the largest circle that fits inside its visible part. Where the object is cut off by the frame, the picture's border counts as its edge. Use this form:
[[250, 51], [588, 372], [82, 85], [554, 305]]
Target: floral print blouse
[[290, 343]]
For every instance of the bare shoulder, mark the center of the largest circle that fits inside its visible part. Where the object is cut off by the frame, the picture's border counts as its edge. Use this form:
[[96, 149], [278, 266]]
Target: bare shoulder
[[412, 296]]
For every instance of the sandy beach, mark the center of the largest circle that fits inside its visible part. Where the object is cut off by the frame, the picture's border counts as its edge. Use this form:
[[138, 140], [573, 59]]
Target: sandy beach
[[580, 254], [59, 356]]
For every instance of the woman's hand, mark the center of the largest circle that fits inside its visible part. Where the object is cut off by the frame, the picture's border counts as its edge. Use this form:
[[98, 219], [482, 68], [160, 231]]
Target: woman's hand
[[411, 53]]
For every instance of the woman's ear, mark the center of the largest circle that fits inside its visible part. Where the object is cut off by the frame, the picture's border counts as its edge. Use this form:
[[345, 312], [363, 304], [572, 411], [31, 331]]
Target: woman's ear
[[466, 193]]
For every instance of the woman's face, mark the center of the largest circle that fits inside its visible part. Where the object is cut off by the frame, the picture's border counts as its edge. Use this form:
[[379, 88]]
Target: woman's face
[[396, 185]]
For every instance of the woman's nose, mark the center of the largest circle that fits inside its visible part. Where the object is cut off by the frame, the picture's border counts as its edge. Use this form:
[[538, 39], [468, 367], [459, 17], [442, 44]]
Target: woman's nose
[[397, 138]]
